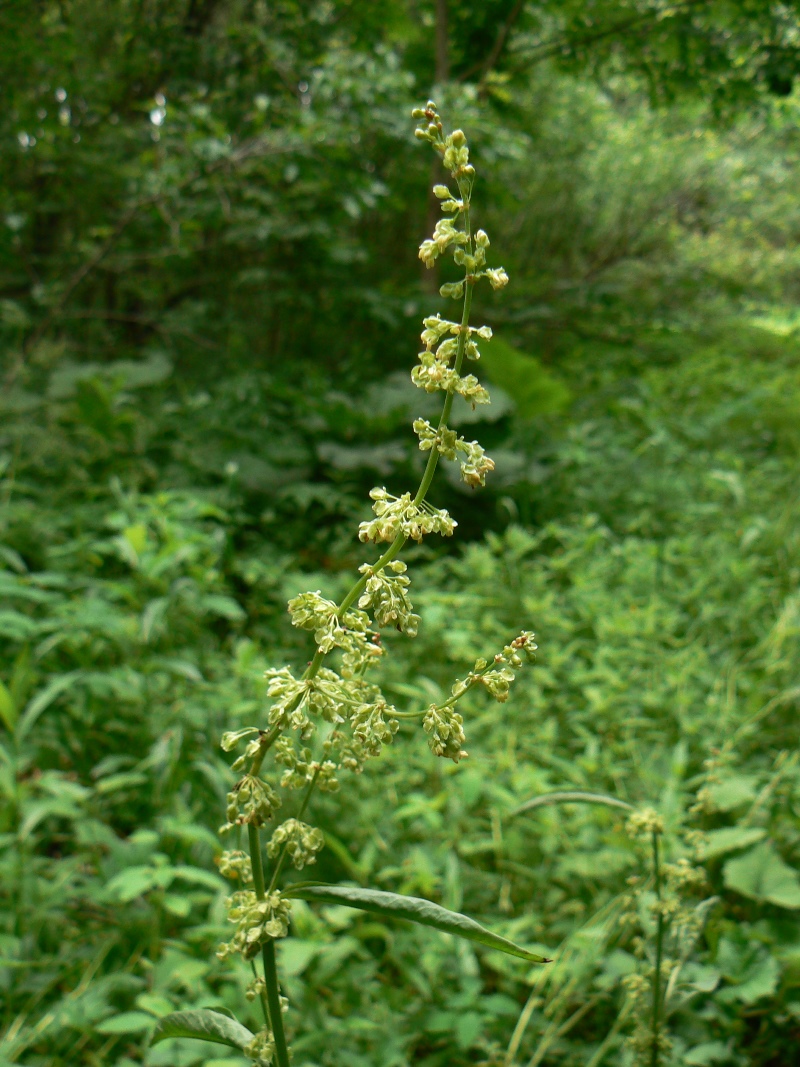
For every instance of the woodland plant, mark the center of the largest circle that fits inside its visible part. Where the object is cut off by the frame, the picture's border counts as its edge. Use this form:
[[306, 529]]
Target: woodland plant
[[333, 717]]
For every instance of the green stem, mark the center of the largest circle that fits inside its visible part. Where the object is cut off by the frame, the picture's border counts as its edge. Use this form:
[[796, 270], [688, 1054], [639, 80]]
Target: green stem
[[255, 860], [273, 1005], [268, 949], [274, 1002], [430, 467], [265, 745], [655, 1053], [263, 995]]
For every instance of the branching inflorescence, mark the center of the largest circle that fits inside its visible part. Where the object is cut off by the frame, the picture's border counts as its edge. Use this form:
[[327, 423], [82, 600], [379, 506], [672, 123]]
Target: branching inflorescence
[[333, 717]]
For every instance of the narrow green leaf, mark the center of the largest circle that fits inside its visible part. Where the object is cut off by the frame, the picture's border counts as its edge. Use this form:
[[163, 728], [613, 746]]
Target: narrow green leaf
[[571, 797], [8, 709], [203, 1025], [42, 701], [415, 910]]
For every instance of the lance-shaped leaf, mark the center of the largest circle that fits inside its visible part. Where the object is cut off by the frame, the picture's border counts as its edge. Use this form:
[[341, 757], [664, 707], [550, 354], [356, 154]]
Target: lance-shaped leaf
[[573, 796], [203, 1025], [415, 910]]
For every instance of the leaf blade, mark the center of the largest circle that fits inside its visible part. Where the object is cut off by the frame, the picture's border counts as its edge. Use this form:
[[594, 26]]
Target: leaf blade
[[412, 909], [202, 1025], [573, 796]]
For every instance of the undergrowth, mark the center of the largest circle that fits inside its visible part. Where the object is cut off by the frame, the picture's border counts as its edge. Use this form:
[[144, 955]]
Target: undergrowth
[[140, 613]]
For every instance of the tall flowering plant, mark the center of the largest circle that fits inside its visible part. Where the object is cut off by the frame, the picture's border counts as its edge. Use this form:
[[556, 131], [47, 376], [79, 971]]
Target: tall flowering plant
[[333, 717]]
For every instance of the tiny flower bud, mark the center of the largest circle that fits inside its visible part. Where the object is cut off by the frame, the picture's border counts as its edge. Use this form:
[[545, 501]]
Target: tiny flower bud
[[458, 138], [441, 191]]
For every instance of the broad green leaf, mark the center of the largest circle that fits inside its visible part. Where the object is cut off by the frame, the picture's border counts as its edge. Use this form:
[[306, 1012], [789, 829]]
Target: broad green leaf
[[728, 839], [707, 1053], [175, 905], [733, 792], [749, 970], [135, 881], [136, 536], [203, 1025], [154, 1004], [762, 875], [224, 606], [574, 796], [129, 1022], [198, 876], [534, 389], [415, 910]]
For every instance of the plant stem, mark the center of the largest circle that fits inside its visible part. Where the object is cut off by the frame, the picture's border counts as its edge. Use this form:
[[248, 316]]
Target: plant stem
[[275, 1016], [274, 1001], [268, 949], [655, 1051], [255, 860], [430, 467]]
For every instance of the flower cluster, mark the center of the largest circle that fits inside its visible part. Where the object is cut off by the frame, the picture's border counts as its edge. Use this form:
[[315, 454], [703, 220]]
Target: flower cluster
[[669, 923], [261, 1050], [373, 726], [311, 611], [293, 699], [326, 720], [444, 726], [252, 801], [386, 596], [302, 842], [475, 465], [257, 921], [445, 730], [400, 516], [237, 865]]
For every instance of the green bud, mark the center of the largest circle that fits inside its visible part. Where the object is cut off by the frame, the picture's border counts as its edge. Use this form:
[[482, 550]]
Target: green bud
[[441, 191], [418, 113], [457, 138]]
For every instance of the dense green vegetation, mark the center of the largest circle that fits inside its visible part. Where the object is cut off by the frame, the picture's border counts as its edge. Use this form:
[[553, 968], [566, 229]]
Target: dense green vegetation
[[210, 218]]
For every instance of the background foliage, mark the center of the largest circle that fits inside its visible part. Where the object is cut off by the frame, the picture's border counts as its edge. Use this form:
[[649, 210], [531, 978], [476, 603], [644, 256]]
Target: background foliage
[[210, 214]]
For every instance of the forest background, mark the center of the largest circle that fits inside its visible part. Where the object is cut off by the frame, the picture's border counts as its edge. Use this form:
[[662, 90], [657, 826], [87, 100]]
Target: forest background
[[208, 233]]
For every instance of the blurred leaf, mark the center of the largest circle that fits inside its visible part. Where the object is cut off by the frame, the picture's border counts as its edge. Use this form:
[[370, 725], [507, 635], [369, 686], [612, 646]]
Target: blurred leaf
[[8, 709], [728, 839], [129, 1022], [762, 875], [533, 389]]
